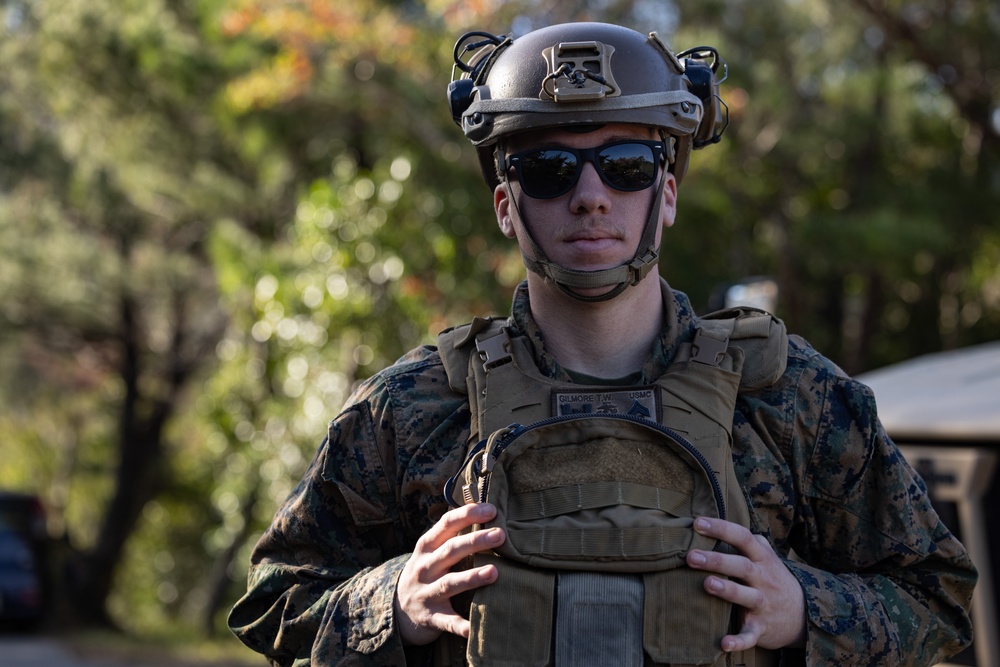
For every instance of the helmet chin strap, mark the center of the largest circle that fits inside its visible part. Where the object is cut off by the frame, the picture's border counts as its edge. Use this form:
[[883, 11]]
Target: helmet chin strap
[[619, 277]]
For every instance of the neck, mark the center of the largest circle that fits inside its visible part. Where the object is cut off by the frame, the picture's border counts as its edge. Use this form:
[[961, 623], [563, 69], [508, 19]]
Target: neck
[[605, 339]]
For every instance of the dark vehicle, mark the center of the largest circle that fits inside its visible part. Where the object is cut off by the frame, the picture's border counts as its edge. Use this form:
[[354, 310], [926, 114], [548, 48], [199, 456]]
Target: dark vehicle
[[21, 598], [23, 541]]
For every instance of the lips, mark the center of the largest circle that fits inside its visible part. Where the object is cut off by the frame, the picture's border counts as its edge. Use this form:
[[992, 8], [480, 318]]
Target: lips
[[573, 238], [593, 248], [587, 234]]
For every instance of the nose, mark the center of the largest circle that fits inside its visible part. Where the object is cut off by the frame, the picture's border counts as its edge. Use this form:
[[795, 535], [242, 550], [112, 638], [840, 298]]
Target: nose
[[590, 194]]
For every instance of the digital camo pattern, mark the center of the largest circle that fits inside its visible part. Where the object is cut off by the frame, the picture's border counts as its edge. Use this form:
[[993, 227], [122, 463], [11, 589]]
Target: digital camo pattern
[[885, 582]]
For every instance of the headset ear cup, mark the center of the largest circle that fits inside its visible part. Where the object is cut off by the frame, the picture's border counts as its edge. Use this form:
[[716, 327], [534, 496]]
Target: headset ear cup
[[710, 129], [459, 98], [703, 84]]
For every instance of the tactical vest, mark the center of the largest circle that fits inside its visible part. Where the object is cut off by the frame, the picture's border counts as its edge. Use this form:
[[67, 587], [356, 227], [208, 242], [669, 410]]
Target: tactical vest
[[596, 489]]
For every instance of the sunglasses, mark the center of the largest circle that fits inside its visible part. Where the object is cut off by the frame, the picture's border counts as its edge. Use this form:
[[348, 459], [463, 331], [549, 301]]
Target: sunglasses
[[629, 166]]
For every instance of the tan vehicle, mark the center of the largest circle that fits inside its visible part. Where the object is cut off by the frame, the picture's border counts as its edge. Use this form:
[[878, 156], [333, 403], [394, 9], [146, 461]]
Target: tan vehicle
[[943, 410]]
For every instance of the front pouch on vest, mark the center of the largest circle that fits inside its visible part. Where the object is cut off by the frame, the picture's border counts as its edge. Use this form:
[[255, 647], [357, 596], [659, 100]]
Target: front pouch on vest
[[505, 633], [613, 495]]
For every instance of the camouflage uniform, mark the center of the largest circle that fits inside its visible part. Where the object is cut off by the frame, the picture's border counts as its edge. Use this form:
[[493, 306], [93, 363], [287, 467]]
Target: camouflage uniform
[[885, 582]]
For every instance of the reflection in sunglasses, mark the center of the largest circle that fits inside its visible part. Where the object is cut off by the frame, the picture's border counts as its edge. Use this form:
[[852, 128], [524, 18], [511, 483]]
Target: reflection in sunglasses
[[548, 172]]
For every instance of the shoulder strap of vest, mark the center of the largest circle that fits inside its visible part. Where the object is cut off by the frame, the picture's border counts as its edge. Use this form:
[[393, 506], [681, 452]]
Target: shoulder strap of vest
[[760, 336], [456, 348]]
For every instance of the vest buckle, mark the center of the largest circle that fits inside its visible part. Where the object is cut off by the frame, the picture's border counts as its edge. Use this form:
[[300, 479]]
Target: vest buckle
[[495, 350], [707, 349]]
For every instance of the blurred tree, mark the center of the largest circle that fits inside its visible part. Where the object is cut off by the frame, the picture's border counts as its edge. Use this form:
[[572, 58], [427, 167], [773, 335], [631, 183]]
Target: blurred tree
[[110, 308], [853, 171], [155, 239]]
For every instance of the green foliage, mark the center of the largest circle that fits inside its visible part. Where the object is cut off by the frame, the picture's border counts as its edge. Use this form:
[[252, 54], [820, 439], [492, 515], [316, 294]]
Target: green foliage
[[852, 170]]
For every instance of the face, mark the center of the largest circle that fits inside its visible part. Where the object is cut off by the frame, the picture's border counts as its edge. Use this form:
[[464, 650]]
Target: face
[[592, 226]]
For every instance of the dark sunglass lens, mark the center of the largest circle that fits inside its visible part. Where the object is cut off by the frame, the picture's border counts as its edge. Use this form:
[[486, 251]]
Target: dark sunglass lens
[[628, 166], [547, 173]]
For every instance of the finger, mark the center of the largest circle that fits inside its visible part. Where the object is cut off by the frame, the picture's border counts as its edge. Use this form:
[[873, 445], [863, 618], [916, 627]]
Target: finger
[[454, 522], [747, 639], [436, 564], [726, 589], [455, 583], [425, 609], [439, 614], [427, 626], [731, 565], [462, 546], [733, 534], [452, 623]]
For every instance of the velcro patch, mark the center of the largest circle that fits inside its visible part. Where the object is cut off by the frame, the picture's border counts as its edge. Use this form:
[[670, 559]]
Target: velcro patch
[[635, 401]]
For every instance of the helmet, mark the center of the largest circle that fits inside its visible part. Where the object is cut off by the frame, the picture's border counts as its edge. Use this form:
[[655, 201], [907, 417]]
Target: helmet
[[584, 74]]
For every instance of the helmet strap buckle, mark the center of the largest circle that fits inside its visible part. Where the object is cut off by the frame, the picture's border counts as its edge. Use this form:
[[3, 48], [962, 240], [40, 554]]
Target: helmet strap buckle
[[640, 266]]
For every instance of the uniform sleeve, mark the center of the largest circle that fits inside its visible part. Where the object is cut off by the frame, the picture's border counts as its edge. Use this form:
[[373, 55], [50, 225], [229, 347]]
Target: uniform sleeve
[[885, 582], [323, 575]]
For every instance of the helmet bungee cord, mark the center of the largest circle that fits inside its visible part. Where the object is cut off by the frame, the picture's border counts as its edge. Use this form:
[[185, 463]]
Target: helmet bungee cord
[[586, 75]]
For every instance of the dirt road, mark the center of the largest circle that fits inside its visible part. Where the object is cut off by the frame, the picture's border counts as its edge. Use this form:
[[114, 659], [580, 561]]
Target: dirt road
[[22, 651]]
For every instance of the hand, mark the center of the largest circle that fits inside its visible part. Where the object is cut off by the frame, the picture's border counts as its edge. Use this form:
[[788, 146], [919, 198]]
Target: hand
[[427, 584], [772, 599]]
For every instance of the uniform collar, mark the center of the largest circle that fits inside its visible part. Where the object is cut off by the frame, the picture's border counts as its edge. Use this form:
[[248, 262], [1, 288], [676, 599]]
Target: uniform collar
[[678, 328]]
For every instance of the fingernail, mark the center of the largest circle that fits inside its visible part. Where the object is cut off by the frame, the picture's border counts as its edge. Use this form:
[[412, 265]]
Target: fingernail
[[697, 558], [485, 510], [715, 584], [701, 525], [495, 535]]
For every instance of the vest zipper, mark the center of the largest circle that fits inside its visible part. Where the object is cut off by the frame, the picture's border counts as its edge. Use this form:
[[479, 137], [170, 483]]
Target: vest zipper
[[490, 450]]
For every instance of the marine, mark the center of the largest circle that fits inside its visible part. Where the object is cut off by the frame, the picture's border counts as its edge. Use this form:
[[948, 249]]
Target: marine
[[584, 132]]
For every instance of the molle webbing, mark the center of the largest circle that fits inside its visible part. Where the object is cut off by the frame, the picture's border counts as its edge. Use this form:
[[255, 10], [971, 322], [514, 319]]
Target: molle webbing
[[598, 534], [590, 509]]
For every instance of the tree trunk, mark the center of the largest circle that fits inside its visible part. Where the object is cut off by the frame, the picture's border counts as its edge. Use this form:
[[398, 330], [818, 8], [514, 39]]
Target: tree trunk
[[140, 474], [219, 580], [137, 480]]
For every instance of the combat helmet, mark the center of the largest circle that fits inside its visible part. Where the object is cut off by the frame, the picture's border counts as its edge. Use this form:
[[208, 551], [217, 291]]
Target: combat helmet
[[586, 74]]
